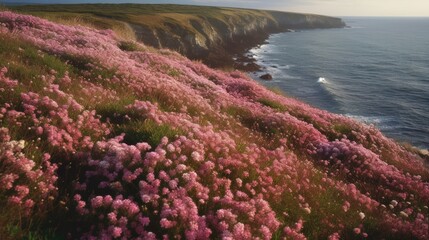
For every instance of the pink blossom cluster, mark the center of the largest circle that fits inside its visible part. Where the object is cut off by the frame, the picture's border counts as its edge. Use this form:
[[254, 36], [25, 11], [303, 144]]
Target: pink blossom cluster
[[246, 163], [25, 183], [50, 119]]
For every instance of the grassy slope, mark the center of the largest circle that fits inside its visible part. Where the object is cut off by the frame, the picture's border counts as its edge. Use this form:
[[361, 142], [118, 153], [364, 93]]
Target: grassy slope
[[153, 15], [211, 34], [108, 16], [243, 128]]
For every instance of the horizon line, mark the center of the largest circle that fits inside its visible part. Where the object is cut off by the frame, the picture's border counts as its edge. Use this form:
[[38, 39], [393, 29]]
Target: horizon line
[[24, 3]]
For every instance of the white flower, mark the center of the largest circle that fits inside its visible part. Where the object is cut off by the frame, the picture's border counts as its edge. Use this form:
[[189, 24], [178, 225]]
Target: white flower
[[196, 156], [21, 144], [403, 214], [307, 210]]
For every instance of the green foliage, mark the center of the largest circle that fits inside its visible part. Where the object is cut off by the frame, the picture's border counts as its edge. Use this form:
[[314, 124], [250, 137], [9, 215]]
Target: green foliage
[[244, 115], [277, 91], [338, 130], [272, 104], [129, 46], [13, 231], [147, 131], [121, 11], [173, 72], [342, 129], [252, 122], [115, 111], [78, 62], [25, 62], [3, 7], [119, 17]]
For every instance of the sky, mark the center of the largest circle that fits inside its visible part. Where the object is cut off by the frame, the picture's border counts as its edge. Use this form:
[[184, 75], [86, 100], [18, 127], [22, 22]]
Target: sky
[[326, 7]]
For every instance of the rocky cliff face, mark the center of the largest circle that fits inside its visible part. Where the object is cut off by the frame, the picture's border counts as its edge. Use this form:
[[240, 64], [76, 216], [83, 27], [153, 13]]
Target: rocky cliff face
[[215, 39], [211, 34]]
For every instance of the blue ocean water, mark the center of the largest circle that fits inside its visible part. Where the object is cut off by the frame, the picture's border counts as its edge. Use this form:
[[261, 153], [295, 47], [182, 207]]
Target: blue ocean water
[[376, 71]]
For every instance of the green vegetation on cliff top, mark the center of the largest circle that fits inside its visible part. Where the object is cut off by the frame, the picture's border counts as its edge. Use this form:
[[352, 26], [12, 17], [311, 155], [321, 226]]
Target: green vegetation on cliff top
[[110, 16], [212, 34]]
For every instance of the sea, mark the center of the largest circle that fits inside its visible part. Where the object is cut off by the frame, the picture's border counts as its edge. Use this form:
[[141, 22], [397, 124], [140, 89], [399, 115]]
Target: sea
[[376, 70]]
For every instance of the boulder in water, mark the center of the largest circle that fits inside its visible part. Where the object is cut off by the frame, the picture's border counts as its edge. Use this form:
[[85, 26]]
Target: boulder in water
[[266, 77]]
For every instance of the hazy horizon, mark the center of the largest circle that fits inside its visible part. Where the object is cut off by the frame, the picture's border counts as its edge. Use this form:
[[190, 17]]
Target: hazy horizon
[[369, 8]]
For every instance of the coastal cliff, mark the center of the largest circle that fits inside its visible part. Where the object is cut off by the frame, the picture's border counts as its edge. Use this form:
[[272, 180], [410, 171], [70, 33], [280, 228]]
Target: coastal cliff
[[210, 34], [215, 41]]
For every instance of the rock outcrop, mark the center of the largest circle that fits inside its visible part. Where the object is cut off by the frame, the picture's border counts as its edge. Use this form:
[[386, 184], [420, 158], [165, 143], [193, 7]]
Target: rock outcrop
[[266, 77], [216, 39]]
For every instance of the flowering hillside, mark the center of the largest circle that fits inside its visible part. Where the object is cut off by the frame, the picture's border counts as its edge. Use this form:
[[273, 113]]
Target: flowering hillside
[[103, 139]]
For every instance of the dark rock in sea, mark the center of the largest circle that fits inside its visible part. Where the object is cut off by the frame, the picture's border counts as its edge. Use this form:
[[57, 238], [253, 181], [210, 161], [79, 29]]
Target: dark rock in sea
[[247, 67], [252, 67], [266, 77], [274, 66]]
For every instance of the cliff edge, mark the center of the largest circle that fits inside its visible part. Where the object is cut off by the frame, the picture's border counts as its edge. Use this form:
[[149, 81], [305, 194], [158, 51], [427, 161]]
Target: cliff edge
[[210, 34]]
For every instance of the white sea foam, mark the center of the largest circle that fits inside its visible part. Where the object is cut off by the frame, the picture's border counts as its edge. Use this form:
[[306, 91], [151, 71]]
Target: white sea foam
[[382, 122], [322, 80], [286, 67], [369, 120], [355, 27]]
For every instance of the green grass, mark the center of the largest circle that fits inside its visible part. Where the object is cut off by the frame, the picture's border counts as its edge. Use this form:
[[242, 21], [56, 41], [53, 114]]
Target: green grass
[[120, 17], [270, 132], [272, 104], [173, 72], [26, 63], [147, 131], [122, 10], [49, 234], [107, 15], [131, 12], [129, 46], [115, 111]]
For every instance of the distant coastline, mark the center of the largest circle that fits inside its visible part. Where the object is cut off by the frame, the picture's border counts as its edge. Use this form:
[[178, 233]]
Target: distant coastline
[[214, 35], [18, 3]]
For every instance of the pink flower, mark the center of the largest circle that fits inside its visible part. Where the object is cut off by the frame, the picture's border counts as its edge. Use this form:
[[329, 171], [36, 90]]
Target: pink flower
[[116, 232], [196, 156], [97, 202], [172, 184], [112, 217], [356, 230]]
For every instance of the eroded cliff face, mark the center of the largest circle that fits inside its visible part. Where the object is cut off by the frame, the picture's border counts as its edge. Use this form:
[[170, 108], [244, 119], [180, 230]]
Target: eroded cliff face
[[216, 39], [211, 34]]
